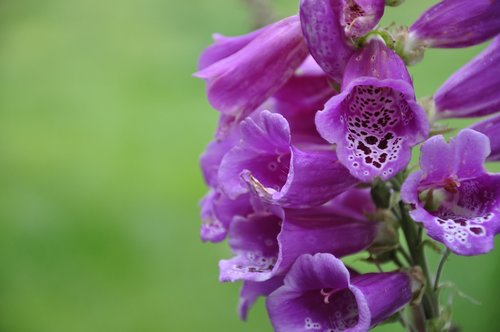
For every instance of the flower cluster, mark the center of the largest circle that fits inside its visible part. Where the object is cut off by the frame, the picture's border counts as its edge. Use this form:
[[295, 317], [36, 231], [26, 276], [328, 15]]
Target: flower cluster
[[318, 120]]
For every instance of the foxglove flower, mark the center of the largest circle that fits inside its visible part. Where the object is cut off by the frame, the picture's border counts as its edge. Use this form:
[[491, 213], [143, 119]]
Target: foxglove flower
[[266, 245], [454, 197], [217, 212], [242, 80], [329, 26], [300, 98], [265, 161], [325, 38], [472, 90], [375, 120], [319, 293], [457, 23], [491, 128]]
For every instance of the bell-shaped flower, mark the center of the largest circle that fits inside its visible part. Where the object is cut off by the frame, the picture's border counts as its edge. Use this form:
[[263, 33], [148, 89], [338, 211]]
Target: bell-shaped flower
[[375, 120], [491, 128], [456, 23], [280, 173], [217, 212], [266, 245], [243, 73], [325, 37], [300, 98], [454, 197], [473, 90], [320, 294]]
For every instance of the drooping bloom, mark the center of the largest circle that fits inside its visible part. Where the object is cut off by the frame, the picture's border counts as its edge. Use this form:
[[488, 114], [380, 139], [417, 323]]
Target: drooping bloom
[[266, 244], [472, 90], [491, 128], [280, 173], [375, 120], [242, 72], [457, 23], [319, 293], [329, 25], [454, 197]]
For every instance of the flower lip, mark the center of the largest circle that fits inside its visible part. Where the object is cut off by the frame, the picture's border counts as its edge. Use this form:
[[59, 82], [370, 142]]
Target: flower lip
[[457, 201]]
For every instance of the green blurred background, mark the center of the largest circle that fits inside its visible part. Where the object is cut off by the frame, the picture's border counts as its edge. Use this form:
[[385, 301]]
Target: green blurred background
[[101, 125]]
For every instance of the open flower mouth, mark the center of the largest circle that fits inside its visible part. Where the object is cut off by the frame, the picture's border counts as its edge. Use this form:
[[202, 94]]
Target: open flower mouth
[[338, 308], [375, 117]]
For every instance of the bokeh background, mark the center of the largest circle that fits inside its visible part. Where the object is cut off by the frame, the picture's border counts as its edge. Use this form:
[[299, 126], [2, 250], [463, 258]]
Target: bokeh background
[[101, 125]]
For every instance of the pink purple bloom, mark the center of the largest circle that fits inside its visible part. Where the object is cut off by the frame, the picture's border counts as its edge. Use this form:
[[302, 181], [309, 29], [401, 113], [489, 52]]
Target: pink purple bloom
[[375, 120], [267, 244], [491, 128], [266, 162], [454, 197], [457, 23], [319, 293], [472, 90], [242, 72]]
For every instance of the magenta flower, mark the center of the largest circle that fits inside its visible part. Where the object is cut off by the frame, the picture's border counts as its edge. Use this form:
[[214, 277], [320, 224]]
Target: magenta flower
[[266, 245], [280, 173], [472, 90], [457, 23], [491, 128], [319, 293], [300, 98], [328, 27], [375, 120], [454, 197], [217, 213], [242, 72]]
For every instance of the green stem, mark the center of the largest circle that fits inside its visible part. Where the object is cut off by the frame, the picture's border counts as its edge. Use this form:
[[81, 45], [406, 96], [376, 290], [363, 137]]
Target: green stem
[[440, 268], [416, 248]]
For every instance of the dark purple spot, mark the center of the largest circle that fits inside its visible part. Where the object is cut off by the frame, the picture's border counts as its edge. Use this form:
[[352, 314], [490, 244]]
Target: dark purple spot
[[371, 140], [366, 150], [476, 230]]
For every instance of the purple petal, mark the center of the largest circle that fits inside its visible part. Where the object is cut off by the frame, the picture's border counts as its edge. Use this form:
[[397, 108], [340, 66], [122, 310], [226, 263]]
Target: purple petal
[[491, 128], [264, 150], [314, 178], [325, 36], [212, 156], [259, 257], [217, 212], [251, 290], [321, 230], [385, 293], [473, 90], [457, 23], [318, 295], [375, 120], [225, 46], [253, 240], [360, 16], [241, 82], [301, 97], [456, 200]]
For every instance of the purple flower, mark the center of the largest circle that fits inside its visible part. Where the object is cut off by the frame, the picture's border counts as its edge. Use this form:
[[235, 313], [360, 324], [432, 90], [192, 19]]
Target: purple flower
[[375, 120], [457, 23], [217, 213], [241, 73], [280, 173], [266, 245], [300, 98], [491, 128], [472, 90], [329, 25], [454, 197], [320, 294]]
